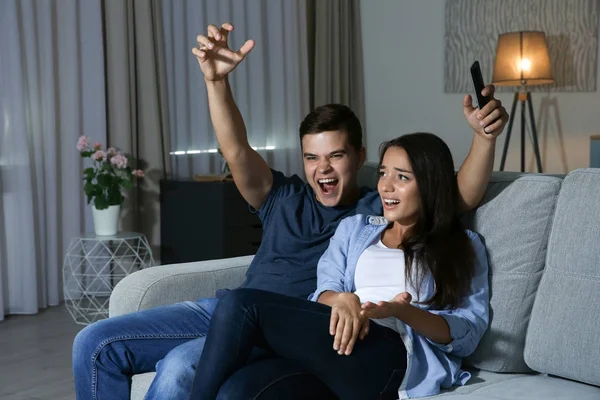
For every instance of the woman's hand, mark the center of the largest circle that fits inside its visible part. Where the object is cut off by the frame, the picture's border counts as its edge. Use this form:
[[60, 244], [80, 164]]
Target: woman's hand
[[425, 323], [385, 309], [347, 323]]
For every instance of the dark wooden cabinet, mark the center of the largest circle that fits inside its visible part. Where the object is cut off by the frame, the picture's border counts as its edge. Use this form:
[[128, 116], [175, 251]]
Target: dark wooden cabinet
[[205, 221]]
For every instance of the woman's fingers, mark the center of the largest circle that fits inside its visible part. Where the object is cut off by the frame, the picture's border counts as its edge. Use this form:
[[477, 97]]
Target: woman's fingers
[[339, 332], [356, 329], [347, 336], [371, 310], [368, 305], [333, 321], [354, 326]]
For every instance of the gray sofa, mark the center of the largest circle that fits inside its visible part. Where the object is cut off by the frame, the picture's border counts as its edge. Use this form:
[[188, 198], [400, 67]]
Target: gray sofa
[[543, 238]]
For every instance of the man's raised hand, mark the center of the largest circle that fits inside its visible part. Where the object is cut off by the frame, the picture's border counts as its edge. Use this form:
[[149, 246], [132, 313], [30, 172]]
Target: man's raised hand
[[214, 56], [490, 121]]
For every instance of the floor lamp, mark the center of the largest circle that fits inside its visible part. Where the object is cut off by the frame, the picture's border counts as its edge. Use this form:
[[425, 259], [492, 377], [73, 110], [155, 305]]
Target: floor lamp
[[522, 59]]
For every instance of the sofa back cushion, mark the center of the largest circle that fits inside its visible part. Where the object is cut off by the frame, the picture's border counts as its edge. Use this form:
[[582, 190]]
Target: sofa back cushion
[[514, 220], [368, 175], [565, 323]]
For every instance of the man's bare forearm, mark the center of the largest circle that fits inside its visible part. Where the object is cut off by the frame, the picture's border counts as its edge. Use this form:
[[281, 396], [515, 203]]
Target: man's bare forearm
[[226, 119], [250, 172], [475, 172]]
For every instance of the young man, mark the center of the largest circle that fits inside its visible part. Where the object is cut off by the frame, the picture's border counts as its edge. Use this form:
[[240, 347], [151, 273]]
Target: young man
[[298, 221]]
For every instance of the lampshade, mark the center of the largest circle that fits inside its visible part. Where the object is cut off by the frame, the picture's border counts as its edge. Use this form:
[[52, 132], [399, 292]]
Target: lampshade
[[522, 58]]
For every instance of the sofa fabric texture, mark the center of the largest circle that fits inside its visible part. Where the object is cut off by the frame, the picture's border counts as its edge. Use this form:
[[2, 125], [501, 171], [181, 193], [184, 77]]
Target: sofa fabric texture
[[565, 325]]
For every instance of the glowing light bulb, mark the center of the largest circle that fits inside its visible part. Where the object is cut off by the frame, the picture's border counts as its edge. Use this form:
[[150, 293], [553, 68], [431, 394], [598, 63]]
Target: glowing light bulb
[[525, 65]]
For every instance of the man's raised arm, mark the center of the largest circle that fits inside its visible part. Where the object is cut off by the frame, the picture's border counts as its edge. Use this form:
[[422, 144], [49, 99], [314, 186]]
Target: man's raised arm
[[250, 172], [475, 172]]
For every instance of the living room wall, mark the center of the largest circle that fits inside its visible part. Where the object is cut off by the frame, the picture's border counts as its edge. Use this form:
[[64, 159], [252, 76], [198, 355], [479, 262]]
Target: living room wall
[[403, 46]]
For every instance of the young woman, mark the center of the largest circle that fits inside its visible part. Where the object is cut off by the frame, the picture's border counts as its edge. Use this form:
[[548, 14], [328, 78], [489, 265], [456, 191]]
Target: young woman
[[400, 298]]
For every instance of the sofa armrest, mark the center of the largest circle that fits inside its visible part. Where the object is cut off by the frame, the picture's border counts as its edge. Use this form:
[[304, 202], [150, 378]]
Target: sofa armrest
[[169, 284]]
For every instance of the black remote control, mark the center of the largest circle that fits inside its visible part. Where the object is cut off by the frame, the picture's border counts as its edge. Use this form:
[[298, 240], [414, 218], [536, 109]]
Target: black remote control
[[478, 85]]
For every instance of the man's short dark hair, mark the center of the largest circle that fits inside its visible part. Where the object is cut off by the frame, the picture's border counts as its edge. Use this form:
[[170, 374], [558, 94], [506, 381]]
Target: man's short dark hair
[[333, 117]]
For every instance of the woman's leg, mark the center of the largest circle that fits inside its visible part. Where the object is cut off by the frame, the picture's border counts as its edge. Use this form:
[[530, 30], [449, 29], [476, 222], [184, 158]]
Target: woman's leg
[[274, 379], [108, 352], [297, 330]]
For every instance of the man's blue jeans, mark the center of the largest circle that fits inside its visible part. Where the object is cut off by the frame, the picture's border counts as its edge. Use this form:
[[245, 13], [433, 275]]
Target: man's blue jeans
[[170, 340], [167, 339]]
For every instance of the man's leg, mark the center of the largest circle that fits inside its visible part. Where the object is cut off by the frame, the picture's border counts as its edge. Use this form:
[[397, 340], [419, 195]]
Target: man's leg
[[296, 330], [274, 379], [175, 372], [107, 353]]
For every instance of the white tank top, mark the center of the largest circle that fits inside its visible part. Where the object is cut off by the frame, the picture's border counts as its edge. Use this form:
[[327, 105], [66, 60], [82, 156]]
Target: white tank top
[[380, 276]]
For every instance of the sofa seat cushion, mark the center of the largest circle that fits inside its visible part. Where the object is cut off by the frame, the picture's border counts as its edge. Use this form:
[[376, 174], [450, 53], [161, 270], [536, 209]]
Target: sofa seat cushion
[[565, 322], [482, 386], [493, 386], [140, 384]]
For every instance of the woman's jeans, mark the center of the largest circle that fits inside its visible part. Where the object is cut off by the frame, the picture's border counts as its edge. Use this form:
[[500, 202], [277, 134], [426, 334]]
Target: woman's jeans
[[296, 330]]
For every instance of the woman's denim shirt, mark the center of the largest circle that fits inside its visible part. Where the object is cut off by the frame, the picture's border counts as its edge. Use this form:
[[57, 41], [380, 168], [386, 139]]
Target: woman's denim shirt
[[431, 366]]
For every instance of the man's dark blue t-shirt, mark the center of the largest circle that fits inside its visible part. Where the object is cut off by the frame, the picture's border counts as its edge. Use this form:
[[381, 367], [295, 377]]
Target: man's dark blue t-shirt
[[296, 233]]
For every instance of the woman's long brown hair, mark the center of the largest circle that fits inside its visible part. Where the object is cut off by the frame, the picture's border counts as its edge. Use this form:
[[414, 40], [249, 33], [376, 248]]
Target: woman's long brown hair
[[437, 244]]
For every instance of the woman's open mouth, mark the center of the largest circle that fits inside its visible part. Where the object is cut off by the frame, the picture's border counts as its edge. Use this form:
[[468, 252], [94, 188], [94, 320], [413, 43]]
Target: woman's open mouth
[[390, 204]]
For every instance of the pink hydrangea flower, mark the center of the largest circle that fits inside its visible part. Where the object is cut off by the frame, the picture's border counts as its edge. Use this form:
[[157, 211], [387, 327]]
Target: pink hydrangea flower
[[99, 155], [83, 143], [111, 151], [97, 146], [119, 160], [138, 172]]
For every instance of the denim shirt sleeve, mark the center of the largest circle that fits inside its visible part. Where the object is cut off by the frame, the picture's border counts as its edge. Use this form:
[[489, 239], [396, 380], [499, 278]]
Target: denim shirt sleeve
[[469, 322], [331, 268]]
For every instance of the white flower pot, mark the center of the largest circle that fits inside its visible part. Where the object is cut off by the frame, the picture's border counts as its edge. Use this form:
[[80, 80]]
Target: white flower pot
[[106, 222]]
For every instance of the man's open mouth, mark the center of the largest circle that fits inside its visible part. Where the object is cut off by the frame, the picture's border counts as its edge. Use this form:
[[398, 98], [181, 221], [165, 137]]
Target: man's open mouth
[[328, 185]]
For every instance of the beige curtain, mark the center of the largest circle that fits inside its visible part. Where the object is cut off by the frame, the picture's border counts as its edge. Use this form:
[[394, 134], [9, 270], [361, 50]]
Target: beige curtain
[[335, 54], [136, 104], [51, 92]]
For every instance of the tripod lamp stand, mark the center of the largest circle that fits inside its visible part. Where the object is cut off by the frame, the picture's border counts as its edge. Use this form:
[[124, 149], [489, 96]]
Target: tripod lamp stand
[[522, 60]]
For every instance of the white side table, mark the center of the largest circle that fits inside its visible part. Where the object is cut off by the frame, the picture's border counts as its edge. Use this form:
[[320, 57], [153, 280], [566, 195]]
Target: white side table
[[94, 265]]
